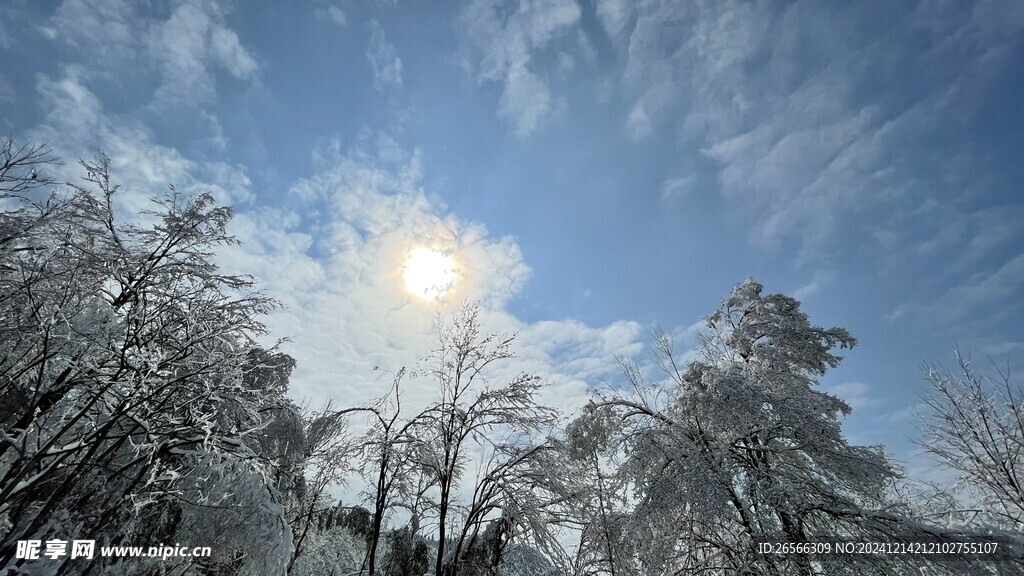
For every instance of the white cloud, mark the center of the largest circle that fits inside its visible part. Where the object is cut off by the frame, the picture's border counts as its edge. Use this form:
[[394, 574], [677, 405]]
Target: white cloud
[[217, 139], [229, 53], [897, 313], [970, 309], [989, 295], [856, 394], [963, 238], [526, 101], [507, 44], [614, 15], [185, 50], [676, 188], [387, 66], [639, 122], [794, 105], [107, 30], [820, 280], [573, 357], [76, 126], [185, 46], [334, 13], [1001, 349]]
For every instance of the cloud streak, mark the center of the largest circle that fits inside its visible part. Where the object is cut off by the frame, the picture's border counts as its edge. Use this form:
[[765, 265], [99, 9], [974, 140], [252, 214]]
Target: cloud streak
[[796, 106], [387, 66]]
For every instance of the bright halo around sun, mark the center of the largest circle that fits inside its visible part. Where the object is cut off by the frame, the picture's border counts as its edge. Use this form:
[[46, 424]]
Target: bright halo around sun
[[428, 273]]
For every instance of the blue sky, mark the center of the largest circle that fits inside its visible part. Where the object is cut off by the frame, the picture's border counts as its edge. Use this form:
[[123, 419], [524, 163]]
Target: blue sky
[[595, 168]]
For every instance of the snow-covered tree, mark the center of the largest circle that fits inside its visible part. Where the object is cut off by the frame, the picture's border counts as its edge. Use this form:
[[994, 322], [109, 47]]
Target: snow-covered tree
[[475, 416], [130, 378], [326, 452], [975, 426], [738, 446], [594, 503], [413, 461], [23, 170], [385, 465]]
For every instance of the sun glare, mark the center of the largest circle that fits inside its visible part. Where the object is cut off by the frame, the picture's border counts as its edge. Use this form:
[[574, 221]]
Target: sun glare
[[428, 273]]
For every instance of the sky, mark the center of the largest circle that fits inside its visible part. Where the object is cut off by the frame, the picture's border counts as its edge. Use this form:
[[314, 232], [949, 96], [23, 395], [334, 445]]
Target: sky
[[594, 169]]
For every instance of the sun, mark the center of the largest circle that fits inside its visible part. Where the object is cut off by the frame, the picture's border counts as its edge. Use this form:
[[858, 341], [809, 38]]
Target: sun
[[428, 273]]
